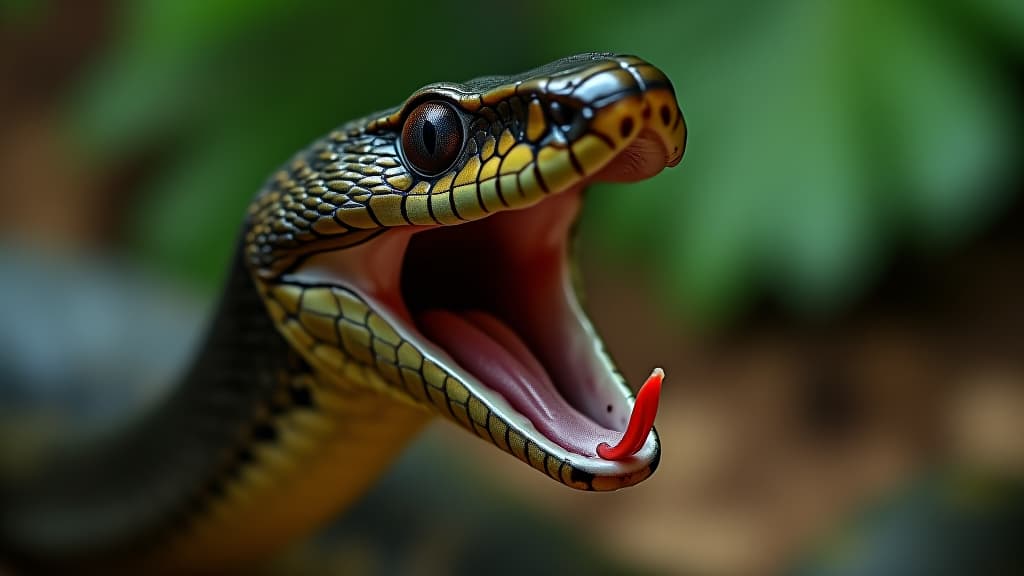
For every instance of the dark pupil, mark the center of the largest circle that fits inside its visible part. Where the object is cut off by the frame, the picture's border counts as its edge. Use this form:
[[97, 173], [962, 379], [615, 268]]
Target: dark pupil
[[429, 137], [432, 137]]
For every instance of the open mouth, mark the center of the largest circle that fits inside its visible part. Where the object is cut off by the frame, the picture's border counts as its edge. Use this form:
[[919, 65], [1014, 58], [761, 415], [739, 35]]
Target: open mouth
[[493, 302], [496, 296]]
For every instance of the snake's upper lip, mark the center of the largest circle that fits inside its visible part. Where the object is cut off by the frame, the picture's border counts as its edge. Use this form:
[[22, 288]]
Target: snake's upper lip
[[645, 156]]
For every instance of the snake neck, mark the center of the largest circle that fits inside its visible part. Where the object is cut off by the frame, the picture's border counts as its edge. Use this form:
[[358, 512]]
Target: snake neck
[[221, 453]]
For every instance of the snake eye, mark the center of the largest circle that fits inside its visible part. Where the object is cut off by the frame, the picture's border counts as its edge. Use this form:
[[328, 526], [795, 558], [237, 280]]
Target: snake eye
[[432, 137]]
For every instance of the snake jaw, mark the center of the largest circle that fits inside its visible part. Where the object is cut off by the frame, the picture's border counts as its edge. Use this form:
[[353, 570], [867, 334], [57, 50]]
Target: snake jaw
[[439, 269], [520, 281]]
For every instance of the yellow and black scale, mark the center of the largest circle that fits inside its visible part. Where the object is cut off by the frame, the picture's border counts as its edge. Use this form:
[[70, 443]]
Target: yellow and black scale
[[268, 437]]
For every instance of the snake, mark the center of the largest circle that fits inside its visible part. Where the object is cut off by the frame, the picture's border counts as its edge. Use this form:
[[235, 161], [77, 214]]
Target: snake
[[414, 263]]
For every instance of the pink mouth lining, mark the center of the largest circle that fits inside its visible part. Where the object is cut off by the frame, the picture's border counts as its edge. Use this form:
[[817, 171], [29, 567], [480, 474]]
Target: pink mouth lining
[[493, 352]]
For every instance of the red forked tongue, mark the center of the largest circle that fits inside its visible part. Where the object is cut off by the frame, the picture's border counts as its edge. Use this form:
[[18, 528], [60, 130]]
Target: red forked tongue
[[497, 356], [640, 421]]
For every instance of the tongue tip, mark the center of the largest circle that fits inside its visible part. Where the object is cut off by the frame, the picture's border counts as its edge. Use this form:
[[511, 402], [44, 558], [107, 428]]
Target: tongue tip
[[641, 421]]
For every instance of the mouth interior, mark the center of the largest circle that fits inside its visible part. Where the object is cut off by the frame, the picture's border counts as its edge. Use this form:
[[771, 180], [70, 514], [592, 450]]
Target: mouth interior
[[495, 295], [492, 301]]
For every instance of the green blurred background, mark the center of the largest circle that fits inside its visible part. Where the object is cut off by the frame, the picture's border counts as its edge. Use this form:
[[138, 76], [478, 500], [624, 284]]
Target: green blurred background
[[832, 277]]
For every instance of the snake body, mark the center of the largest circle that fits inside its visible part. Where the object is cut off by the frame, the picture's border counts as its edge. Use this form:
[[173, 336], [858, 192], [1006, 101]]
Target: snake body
[[363, 265]]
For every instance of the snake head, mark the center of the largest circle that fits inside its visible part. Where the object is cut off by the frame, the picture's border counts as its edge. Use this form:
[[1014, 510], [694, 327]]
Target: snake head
[[423, 252]]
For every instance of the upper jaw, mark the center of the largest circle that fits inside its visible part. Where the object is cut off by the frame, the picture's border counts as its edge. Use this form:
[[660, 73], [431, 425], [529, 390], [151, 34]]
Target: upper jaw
[[575, 116]]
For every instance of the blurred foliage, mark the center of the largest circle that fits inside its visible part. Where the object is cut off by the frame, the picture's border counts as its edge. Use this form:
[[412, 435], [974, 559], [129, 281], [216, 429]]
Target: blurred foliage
[[822, 134], [17, 8]]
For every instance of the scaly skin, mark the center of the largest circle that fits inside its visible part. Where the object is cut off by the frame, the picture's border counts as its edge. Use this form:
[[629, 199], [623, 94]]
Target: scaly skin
[[350, 383]]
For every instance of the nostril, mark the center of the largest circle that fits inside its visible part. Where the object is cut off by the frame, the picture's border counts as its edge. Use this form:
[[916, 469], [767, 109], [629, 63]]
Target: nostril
[[626, 128], [666, 115]]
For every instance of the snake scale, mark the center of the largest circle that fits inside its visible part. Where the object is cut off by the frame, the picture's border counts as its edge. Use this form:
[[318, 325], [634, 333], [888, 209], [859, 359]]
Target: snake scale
[[413, 263]]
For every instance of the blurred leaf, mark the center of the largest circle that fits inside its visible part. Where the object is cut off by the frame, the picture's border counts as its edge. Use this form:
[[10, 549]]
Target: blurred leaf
[[819, 133], [157, 25], [1002, 18], [949, 146], [19, 8], [128, 99], [163, 67]]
